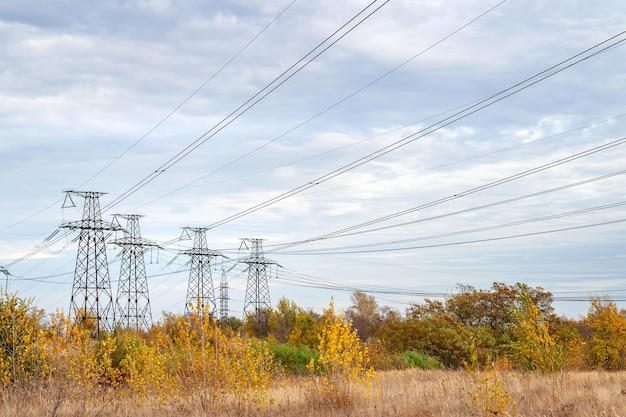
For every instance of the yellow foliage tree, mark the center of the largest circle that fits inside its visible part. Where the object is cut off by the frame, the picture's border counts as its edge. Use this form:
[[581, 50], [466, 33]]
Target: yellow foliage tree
[[201, 358], [607, 346], [533, 346], [73, 358], [489, 396], [22, 351], [343, 364]]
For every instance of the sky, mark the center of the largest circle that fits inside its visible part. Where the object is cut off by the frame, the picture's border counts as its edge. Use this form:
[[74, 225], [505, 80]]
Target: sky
[[400, 151]]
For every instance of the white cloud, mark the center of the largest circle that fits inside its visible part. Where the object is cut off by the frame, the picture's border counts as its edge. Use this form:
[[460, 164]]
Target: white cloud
[[79, 85]]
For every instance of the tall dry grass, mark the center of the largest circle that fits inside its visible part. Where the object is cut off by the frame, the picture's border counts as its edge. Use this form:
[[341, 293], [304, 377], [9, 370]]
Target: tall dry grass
[[407, 393]]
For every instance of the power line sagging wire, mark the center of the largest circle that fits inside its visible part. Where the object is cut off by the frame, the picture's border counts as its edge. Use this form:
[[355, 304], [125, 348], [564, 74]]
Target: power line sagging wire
[[327, 109], [165, 118], [347, 231], [598, 48], [190, 96], [468, 231], [286, 75], [45, 245]]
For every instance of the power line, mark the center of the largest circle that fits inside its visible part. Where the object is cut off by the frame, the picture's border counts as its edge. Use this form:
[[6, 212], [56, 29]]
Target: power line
[[189, 97], [164, 119], [440, 245], [286, 75], [465, 112], [468, 210], [351, 166], [327, 109], [294, 278], [465, 193], [476, 230]]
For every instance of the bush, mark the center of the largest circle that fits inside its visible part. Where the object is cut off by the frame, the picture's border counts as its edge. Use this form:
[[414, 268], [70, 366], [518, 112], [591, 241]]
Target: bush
[[22, 348], [292, 358], [417, 359]]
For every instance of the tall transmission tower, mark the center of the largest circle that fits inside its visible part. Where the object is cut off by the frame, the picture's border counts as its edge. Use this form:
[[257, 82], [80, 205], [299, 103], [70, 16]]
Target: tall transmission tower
[[223, 297], [132, 306], [257, 288], [200, 288], [6, 273], [91, 290]]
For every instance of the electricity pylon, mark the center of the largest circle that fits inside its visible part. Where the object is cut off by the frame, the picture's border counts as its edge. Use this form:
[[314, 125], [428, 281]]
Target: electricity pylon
[[200, 287], [91, 290], [223, 297], [257, 288], [6, 273], [132, 306]]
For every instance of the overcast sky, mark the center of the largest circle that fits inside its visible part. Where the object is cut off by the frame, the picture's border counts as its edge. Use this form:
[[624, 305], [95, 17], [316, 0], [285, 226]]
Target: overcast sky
[[142, 100]]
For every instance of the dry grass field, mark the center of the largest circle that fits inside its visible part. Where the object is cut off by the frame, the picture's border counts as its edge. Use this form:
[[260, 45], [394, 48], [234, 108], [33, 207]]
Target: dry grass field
[[408, 393]]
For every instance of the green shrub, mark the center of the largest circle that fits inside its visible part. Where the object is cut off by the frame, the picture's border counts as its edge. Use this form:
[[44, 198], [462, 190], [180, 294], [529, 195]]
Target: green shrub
[[417, 359], [292, 358]]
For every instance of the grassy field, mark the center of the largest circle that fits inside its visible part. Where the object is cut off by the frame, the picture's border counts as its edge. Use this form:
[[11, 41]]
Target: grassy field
[[408, 393]]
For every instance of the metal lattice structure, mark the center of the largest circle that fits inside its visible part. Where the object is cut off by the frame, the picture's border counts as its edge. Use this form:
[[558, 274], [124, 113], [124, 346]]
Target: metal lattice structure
[[257, 288], [200, 291], [6, 273], [223, 313], [132, 305], [91, 291]]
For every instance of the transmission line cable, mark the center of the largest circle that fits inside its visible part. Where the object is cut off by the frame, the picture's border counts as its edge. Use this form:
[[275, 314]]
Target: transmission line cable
[[322, 47], [467, 111], [196, 91], [327, 109], [277, 82], [345, 231], [476, 230], [440, 245], [164, 119]]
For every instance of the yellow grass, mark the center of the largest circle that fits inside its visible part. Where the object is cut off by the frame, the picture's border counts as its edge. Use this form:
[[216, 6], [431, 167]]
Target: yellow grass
[[408, 393]]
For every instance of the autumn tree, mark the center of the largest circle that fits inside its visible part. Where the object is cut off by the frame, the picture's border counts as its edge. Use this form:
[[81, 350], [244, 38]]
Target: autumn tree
[[22, 351], [495, 307], [470, 326], [533, 346], [364, 314], [567, 334], [305, 332], [257, 324], [607, 342], [343, 363], [282, 320]]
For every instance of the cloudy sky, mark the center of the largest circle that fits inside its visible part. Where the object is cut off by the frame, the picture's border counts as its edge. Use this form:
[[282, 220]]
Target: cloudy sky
[[399, 151]]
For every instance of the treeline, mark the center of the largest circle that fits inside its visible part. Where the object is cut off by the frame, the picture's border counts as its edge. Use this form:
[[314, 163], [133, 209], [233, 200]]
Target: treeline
[[513, 326]]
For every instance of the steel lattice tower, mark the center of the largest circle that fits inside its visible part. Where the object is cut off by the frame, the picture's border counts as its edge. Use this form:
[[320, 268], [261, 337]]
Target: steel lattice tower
[[200, 288], [257, 288], [132, 306], [223, 297], [91, 290]]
